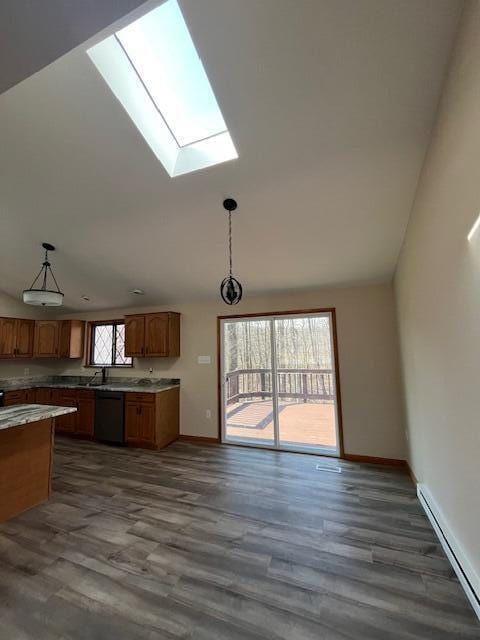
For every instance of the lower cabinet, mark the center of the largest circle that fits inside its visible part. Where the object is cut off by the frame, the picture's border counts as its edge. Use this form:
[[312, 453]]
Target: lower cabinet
[[81, 423], [44, 396], [15, 397], [140, 423], [152, 419], [85, 416], [66, 423]]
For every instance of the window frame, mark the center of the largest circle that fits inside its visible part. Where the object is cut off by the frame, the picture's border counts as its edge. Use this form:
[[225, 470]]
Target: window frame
[[91, 344]]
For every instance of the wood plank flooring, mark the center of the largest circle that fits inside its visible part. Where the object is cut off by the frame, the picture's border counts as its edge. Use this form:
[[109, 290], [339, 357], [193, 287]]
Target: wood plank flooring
[[225, 543]]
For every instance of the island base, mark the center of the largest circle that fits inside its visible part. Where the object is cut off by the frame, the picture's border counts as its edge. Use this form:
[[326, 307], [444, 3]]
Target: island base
[[26, 457]]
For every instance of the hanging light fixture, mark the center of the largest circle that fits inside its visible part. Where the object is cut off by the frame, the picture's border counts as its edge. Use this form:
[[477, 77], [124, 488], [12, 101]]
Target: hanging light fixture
[[230, 289], [41, 295]]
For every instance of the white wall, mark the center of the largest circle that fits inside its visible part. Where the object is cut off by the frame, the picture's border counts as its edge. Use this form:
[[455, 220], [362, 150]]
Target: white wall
[[438, 300], [368, 354]]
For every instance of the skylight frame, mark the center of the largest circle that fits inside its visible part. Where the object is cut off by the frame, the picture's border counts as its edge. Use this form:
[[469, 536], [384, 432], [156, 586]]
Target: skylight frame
[[126, 82], [157, 107]]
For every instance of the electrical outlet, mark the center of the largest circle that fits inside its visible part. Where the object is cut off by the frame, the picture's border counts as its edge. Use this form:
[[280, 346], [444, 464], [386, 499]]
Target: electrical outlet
[[208, 414], [26, 371]]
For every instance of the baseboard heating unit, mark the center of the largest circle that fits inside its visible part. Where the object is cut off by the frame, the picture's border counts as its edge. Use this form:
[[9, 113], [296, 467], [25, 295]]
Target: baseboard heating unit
[[465, 573]]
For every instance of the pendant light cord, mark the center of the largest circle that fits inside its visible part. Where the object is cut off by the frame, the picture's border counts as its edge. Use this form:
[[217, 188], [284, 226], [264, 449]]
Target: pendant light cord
[[230, 239], [46, 269]]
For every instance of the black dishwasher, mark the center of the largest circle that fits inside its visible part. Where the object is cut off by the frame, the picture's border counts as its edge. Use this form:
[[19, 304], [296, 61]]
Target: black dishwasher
[[110, 417]]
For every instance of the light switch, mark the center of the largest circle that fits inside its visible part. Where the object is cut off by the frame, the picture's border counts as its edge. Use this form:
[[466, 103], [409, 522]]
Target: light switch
[[204, 360]]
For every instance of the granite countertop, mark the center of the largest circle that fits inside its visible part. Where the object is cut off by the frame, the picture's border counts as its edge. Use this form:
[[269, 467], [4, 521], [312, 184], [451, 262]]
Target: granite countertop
[[140, 385], [25, 413]]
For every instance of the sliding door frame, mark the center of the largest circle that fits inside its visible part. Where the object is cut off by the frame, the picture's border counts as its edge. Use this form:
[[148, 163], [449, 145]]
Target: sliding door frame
[[220, 407]]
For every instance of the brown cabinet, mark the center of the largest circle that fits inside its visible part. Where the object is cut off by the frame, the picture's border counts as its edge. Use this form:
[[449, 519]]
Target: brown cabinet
[[65, 398], [135, 336], [21, 396], [152, 419], [85, 420], [152, 335], [16, 338], [15, 397], [140, 419], [46, 341], [7, 337], [71, 338], [24, 335], [30, 396], [44, 396], [58, 338], [23, 338]]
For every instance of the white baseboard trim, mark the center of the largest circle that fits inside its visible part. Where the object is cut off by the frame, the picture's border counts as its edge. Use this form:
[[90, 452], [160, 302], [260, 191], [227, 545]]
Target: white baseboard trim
[[469, 580]]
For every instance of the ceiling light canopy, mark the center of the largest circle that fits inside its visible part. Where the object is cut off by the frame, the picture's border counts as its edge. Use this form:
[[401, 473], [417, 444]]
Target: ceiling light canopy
[[153, 68], [39, 293]]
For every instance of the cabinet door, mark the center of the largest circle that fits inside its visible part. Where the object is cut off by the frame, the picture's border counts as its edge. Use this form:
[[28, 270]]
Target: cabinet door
[[132, 422], [7, 337], [156, 334], [64, 349], [68, 422], [147, 423], [46, 339], [25, 331], [135, 335], [43, 396], [15, 397], [85, 417], [71, 338], [30, 396]]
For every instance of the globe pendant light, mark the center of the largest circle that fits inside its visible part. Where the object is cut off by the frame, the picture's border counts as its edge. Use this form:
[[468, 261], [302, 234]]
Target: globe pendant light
[[41, 295], [231, 290]]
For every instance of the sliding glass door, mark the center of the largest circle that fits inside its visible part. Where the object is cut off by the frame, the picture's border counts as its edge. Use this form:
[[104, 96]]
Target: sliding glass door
[[278, 382]]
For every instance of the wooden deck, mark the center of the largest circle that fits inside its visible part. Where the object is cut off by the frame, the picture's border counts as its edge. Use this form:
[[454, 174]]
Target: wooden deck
[[309, 424]]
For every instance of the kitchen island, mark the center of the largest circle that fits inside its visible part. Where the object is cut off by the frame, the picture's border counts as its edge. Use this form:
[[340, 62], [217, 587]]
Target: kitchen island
[[26, 455]]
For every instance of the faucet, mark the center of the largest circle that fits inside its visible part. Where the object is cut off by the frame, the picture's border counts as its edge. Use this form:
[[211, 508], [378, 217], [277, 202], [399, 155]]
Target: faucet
[[104, 375]]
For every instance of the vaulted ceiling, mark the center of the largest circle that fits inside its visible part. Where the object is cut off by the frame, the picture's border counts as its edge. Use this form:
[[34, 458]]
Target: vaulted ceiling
[[330, 104]]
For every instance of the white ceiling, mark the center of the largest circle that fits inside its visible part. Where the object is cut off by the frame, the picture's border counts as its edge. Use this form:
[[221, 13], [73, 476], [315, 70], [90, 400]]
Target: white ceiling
[[330, 104], [37, 33]]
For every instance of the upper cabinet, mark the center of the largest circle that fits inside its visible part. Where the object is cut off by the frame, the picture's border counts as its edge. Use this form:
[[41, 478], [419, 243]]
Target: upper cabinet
[[152, 335], [16, 338], [25, 331], [58, 338], [135, 336], [46, 342], [7, 337], [72, 334]]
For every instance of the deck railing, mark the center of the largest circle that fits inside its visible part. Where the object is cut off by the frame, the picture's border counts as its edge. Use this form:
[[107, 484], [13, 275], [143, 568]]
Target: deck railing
[[304, 384]]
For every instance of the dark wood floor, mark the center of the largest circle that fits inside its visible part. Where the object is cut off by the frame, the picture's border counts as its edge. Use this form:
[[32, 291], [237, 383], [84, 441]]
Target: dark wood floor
[[225, 543]]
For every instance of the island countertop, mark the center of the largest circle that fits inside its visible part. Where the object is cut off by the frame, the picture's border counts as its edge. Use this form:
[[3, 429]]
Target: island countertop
[[25, 413]]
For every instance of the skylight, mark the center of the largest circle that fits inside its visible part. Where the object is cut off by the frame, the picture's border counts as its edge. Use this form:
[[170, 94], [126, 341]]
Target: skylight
[[154, 70]]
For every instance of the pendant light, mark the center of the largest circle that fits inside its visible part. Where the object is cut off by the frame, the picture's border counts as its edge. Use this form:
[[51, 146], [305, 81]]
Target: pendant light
[[231, 290], [41, 295]]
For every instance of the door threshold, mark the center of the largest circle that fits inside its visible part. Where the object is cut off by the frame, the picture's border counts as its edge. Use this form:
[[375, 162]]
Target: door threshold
[[329, 453]]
